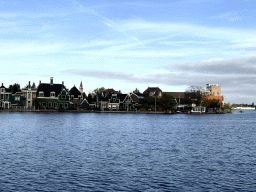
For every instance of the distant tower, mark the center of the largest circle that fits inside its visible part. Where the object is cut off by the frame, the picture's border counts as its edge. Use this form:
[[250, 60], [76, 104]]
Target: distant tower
[[81, 87]]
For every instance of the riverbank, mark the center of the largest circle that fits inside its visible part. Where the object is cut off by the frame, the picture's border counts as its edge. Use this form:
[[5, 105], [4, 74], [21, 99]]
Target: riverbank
[[97, 111], [79, 111]]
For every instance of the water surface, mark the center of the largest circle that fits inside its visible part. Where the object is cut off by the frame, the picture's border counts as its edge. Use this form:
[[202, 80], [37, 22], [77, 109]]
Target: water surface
[[127, 152]]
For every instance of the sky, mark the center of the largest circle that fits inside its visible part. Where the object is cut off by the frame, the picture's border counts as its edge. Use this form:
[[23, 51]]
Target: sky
[[124, 44]]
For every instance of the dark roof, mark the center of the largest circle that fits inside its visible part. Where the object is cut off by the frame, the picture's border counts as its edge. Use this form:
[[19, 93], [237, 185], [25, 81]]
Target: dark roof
[[74, 91], [48, 88], [6, 89], [102, 98], [121, 97]]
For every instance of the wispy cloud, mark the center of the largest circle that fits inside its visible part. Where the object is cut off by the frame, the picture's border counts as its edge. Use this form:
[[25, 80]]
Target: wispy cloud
[[218, 66], [188, 29]]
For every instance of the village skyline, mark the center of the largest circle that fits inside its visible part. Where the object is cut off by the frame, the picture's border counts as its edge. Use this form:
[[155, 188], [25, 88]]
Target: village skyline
[[131, 44]]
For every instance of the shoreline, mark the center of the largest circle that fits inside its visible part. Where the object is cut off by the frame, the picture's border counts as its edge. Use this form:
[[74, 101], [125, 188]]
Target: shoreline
[[84, 111], [96, 111]]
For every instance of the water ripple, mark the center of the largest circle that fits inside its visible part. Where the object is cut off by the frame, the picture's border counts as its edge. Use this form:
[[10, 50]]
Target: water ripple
[[127, 152]]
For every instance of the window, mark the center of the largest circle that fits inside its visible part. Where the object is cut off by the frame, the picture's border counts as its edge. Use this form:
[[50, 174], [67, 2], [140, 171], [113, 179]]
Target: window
[[66, 105], [55, 104], [29, 95], [218, 93], [72, 97], [44, 104], [213, 93], [114, 99], [41, 94], [63, 96], [6, 96], [34, 95], [2, 89], [52, 94], [17, 98], [49, 105]]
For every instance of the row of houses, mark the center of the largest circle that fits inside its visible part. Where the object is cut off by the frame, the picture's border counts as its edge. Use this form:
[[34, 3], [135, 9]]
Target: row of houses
[[57, 96]]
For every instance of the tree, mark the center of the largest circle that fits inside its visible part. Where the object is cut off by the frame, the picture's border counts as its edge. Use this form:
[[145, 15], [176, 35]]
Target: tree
[[166, 102], [99, 91], [14, 88], [211, 103], [194, 95], [89, 98], [136, 91], [84, 95], [227, 106]]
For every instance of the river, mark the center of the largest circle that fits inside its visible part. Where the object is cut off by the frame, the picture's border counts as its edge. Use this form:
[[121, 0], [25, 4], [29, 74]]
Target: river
[[127, 152]]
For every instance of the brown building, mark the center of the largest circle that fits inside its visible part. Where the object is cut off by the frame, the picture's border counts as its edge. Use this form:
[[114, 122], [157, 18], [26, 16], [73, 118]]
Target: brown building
[[213, 89]]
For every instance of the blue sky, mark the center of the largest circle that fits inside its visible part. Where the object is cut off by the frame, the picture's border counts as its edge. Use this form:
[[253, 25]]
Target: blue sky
[[131, 44]]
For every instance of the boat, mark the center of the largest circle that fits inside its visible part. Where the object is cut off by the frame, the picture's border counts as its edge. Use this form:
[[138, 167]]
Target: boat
[[241, 111]]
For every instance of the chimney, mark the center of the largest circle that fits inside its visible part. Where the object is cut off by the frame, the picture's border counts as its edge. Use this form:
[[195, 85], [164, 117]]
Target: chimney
[[39, 82], [51, 81], [62, 82], [29, 83], [2, 84]]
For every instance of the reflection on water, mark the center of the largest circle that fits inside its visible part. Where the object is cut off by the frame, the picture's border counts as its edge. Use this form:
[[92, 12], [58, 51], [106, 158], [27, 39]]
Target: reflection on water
[[127, 152]]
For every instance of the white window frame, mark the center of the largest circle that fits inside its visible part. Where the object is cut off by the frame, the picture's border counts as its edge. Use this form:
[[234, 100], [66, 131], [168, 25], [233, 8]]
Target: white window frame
[[41, 94], [52, 94]]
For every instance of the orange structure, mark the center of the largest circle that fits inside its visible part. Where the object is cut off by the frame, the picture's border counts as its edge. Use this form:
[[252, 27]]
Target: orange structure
[[209, 97]]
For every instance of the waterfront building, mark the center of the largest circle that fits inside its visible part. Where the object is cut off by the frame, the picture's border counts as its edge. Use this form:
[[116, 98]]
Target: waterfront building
[[9, 100], [29, 94], [53, 96], [5, 97], [137, 97], [76, 96], [213, 89]]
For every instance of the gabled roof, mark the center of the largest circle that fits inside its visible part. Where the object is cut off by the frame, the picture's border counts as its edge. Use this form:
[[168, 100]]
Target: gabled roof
[[74, 91], [121, 97], [48, 88], [102, 98]]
